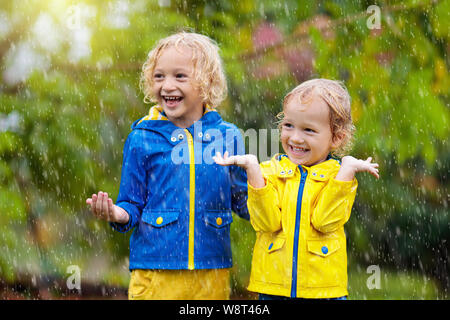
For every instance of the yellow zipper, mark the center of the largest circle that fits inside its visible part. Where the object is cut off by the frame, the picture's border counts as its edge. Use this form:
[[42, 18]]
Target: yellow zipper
[[191, 200]]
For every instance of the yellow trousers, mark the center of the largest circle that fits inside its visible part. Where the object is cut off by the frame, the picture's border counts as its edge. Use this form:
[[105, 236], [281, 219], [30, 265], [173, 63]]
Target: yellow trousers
[[202, 284]]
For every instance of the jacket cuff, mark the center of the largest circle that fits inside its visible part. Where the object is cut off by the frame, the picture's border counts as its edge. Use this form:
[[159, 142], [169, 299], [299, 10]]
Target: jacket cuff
[[258, 192], [125, 227], [343, 187]]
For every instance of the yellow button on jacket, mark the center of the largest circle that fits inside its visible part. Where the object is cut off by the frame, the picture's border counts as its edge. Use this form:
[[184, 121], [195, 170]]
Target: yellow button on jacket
[[300, 248]]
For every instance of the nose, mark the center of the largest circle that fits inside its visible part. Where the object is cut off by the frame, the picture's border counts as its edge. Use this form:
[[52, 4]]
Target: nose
[[168, 85], [297, 137]]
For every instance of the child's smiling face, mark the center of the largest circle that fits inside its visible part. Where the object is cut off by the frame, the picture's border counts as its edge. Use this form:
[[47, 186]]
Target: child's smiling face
[[306, 134], [175, 88]]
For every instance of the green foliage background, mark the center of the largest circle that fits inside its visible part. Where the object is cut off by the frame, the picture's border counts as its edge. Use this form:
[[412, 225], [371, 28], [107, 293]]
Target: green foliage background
[[74, 116]]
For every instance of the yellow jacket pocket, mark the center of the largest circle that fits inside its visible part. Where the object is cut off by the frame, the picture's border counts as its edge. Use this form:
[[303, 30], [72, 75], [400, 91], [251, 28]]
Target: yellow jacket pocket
[[277, 244], [326, 263], [270, 259], [323, 248]]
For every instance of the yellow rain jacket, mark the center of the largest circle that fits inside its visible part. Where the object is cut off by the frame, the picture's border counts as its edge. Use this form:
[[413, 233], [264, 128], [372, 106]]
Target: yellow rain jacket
[[300, 248]]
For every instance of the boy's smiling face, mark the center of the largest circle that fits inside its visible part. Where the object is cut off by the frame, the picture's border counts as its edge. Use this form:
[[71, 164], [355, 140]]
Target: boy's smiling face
[[305, 131], [174, 86]]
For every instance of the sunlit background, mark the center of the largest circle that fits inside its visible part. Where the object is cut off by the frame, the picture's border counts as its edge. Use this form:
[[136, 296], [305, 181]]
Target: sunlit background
[[70, 92]]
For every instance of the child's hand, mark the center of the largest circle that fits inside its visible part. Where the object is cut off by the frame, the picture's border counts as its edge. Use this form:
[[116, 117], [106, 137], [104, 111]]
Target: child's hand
[[248, 162], [243, 161], [350, 166], [103, 208]]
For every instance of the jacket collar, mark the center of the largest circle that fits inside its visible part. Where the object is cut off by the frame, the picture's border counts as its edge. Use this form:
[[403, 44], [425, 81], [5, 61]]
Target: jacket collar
[[285, 168], [157, 121], [157, 113]]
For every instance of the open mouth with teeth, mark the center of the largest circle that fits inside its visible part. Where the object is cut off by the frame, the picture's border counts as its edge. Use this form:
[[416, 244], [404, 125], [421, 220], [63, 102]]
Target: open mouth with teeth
[[298, 151], [172, 101]]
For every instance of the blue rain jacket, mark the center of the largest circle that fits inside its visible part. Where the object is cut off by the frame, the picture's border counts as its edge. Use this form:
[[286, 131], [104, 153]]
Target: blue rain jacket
[[179, 201]]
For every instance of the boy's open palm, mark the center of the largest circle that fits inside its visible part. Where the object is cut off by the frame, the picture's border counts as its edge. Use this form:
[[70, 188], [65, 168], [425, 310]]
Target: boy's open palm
[[103, 208], [242, 161], [354, 165], [248, 162]]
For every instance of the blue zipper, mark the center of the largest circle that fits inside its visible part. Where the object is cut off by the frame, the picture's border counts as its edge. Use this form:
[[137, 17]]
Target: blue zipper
[[297, 231]]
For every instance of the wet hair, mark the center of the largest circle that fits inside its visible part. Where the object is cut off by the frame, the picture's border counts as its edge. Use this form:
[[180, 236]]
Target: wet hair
[[208, 70], [336, 96]]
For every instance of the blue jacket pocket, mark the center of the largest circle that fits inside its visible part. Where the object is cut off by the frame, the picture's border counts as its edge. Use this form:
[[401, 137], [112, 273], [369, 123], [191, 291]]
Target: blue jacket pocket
[[218, 218], [160, 218]]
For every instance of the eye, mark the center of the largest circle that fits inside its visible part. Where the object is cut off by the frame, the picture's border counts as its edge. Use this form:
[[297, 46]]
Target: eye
[[309, 130], [287, 125], [158, 76], [181, 76]]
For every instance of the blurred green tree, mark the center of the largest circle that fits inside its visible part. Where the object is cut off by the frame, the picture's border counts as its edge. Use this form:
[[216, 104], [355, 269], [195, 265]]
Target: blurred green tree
[[69, 93]]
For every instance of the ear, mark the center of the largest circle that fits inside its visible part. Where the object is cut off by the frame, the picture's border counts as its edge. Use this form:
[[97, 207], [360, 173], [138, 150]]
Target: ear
[[337, 140]]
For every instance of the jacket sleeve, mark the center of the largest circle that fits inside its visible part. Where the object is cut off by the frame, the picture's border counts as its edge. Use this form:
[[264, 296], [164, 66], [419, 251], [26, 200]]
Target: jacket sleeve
[[239, 192], [239, 182], [334, 205], [264, 207], [133, 189]]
